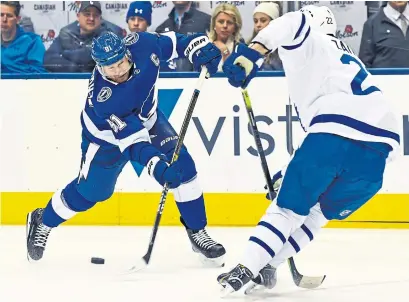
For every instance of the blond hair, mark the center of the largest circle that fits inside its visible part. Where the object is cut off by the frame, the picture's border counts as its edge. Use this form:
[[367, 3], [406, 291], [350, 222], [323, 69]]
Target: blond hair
[[233, 12]]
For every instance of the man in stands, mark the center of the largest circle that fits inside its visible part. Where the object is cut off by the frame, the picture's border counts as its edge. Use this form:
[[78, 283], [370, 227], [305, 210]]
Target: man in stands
[[21, 52], [71, 50]]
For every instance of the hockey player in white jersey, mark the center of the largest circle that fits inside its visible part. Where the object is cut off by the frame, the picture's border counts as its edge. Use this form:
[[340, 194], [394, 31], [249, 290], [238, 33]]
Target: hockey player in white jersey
[[350, 134]]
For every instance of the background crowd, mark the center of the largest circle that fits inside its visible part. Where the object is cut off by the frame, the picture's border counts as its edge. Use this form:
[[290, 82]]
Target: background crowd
[[38, 37]]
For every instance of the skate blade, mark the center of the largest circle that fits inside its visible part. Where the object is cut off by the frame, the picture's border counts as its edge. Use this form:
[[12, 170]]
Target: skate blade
[[227, 290], [211, 262], [28, 227], [255, 288], [252, 287]]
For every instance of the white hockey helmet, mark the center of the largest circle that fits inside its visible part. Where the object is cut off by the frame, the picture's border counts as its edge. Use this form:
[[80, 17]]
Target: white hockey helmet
[[321, 19]]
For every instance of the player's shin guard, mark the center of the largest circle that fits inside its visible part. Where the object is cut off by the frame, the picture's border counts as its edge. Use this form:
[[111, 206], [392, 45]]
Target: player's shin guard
[[190, 201], [302, 236], [269, 237]]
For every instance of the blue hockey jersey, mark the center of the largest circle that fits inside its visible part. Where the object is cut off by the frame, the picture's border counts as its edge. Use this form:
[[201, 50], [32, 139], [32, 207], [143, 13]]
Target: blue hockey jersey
[[122, 114]]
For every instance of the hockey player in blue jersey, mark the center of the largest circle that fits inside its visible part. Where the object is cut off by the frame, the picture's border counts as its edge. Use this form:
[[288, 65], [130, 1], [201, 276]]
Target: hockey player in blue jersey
[[351, 132], [121, 122]]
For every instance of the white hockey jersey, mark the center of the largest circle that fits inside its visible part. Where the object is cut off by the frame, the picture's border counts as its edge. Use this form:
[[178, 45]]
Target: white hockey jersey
[[329, 86]]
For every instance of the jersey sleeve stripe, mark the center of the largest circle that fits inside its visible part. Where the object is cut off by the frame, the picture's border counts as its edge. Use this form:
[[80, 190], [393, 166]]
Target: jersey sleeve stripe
[[172, 36], [291, 47], [301, 27]]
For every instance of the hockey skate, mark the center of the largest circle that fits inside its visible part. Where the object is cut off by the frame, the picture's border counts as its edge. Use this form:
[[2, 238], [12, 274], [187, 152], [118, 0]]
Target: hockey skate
[[210, 251], [266, 279], [235, 279], [37, 235]]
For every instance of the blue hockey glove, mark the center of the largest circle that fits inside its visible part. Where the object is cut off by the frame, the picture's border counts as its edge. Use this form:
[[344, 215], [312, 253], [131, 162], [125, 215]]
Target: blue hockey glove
[[242, 65], [276, 181], [201, 52], [163, 172]]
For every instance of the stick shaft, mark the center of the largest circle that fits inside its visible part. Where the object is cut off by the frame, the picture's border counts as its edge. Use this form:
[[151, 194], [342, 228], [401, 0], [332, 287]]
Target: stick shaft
[[175, 156]]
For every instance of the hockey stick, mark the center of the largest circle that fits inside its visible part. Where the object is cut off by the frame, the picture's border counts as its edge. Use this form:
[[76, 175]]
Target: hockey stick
[[299, 279], [259, 146], [145, 259]]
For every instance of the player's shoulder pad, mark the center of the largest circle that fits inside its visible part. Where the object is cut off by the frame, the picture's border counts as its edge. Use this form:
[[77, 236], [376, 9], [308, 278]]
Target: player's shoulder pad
[[130, 39], [143, 38], [139, 43]]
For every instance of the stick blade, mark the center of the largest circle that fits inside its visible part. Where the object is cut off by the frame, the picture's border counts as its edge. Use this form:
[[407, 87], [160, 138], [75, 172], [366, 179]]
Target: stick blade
[[311, 282], [139, 266]]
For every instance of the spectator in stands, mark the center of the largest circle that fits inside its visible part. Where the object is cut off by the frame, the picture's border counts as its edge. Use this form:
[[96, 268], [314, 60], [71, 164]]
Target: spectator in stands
[[21, 52], [26, 23], [185, 19], [385, 37], [225, 29], [139, 18], [262, 15], [71, 50]]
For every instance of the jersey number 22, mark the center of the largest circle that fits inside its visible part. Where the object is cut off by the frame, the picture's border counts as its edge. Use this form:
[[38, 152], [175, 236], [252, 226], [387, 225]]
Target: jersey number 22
[[356, 84]]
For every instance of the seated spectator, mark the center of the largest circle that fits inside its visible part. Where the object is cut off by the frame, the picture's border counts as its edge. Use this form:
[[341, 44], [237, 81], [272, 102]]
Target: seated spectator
[[187, 20], [385, 37], [21, 52], [139, 18], [26, 23], [71, 50], [262, 15], [225, 29]]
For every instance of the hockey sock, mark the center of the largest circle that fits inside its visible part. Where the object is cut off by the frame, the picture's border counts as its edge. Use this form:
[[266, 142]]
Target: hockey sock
[[64, 205], [302, 236], [190, 202], [269, 237]]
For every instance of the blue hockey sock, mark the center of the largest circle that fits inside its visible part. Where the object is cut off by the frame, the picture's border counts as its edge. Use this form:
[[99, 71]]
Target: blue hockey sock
[[50, 216], [193, 213], [64, 205]]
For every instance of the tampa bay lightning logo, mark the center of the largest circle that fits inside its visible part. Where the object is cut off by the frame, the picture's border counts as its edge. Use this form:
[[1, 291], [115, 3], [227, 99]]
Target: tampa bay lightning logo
[[104, 94], [131, 38]]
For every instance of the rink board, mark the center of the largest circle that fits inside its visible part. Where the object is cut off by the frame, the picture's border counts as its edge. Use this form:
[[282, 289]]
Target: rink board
[[383, 211], [40, 151]]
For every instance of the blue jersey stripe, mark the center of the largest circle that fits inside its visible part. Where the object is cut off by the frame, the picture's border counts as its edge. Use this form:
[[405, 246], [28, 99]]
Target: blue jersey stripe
[[291, 47], [301, 27], [355, 124]]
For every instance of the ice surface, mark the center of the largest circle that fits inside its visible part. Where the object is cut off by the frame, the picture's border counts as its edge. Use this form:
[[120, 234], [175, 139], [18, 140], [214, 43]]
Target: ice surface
[[361, 265]]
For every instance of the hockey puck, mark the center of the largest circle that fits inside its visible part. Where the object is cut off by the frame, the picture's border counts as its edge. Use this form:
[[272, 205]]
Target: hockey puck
[[97, 260]]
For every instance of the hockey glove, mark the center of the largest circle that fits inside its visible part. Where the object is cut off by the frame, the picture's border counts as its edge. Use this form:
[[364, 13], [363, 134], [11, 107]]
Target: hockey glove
[[276, 181], [164, 172], [242, 65], [201, 52]]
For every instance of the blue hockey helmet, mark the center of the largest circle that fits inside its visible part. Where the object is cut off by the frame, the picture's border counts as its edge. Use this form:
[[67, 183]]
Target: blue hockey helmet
[[108, 49]]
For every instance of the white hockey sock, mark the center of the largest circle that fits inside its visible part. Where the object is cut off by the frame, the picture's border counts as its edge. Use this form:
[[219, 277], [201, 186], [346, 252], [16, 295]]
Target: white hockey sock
[[302, 236], [269, 237]]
